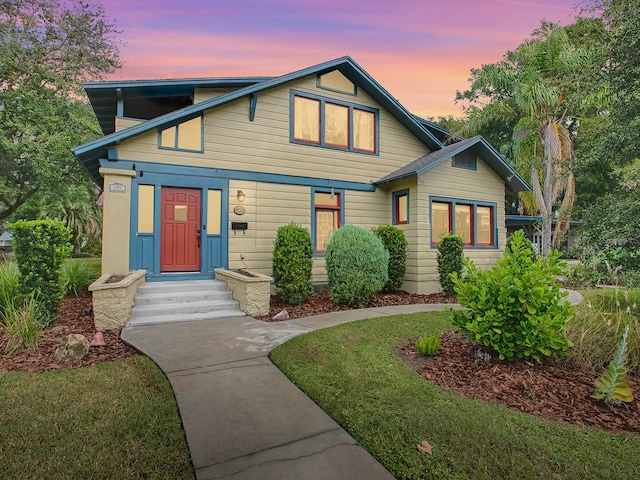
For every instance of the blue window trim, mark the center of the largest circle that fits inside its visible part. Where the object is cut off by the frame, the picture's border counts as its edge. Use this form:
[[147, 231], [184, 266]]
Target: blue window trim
[[323, 101], [159, 180], [395, 196], [315, 190], [175, 142], [473, 167], [475, 204], [319, 85]]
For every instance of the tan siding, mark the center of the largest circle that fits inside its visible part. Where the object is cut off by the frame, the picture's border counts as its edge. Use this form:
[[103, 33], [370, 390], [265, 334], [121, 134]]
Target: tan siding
[[450, 182], [122, 123], [231, 141], [201, 94]]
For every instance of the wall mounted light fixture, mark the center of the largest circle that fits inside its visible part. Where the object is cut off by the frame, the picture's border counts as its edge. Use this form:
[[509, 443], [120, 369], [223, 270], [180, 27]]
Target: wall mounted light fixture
[[241, 196]]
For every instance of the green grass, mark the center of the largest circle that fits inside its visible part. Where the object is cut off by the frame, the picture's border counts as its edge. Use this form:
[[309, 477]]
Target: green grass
[[114, 420], [351, 371], [598, 324]]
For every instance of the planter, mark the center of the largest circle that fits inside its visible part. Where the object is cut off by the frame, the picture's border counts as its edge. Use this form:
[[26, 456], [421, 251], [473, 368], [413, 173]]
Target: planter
[[113, 300], [251, 290]]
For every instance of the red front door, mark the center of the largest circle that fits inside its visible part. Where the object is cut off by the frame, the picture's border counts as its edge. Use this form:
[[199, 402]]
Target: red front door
[[180, 230]]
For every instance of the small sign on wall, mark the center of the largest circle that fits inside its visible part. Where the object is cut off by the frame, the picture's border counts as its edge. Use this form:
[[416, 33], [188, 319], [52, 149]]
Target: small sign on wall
[[117, 187]]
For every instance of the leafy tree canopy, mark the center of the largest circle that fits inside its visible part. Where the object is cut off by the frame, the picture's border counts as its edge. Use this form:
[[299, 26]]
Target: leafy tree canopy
[[48, 48]]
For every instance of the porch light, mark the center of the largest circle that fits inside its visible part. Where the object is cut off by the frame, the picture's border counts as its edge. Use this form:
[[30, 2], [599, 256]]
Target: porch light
[[241, 196]]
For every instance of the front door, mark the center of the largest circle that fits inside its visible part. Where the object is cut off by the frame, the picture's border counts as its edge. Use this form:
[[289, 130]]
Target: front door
[[180, 230]]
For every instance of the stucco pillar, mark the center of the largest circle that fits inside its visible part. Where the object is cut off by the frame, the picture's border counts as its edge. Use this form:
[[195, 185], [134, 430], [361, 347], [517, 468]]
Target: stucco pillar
[[116, 220]]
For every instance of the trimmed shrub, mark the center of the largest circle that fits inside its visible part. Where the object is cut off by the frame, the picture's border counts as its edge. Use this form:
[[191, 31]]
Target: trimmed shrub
[[292, 263], [395, 243], [40, 248], [356, 264], [516, 308], [449, 260]]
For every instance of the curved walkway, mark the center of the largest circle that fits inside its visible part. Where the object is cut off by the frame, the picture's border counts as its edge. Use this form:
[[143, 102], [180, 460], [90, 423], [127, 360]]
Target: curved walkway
[[242, 417]]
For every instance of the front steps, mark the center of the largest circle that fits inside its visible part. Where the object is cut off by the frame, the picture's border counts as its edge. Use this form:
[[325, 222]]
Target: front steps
[[162, 302]]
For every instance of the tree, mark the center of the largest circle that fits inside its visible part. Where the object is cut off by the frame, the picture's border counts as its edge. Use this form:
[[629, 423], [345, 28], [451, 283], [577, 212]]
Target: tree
[[48, 48], [536, 88]]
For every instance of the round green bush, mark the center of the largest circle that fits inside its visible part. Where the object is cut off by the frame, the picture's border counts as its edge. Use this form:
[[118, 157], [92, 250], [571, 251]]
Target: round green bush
[[449, 261], [356, 264], [292, 263], [395, 243]]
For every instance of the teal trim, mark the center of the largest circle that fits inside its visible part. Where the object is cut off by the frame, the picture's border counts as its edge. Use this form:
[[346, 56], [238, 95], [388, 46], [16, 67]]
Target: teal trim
[[313, 215], [354, 92], [177, 136], [253, 103], [145, 168], [394, 209], [323, 101], [475, 205], [144, 250], [120, 103], [90, 153], [112, 154]]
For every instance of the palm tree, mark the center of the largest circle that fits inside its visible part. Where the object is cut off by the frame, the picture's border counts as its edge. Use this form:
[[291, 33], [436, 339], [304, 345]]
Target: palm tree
[[534, 90]]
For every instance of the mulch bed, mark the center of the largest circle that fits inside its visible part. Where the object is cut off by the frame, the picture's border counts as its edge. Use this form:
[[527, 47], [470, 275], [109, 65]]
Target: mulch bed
[[74, 316], [320, 303], [552, 390]]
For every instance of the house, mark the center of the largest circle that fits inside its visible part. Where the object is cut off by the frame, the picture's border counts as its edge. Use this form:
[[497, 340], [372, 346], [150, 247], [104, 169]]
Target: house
[[6, 240], [199, 174]]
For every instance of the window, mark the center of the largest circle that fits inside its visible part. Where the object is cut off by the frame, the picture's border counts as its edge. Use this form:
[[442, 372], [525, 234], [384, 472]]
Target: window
[[332, 124], [465, 160], [474, 221], [401, 207], [327, 217], [337, 82], [184, 136]]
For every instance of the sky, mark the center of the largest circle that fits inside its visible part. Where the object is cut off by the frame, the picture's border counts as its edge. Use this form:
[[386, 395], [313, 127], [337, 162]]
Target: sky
[[421, 51]]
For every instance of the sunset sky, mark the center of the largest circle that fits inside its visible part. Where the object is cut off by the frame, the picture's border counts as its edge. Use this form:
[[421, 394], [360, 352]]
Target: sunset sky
[[421, 51]]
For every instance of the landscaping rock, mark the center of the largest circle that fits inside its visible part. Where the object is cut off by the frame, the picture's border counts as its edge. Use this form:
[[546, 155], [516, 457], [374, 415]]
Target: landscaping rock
[[283, 315], [98, 340], [73, 349]]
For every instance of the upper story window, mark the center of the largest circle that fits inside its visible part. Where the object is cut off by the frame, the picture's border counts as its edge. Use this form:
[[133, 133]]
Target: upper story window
[[401, 207], [336, 81], [465, 160], [184, 136], [474, 221], [333, 124]]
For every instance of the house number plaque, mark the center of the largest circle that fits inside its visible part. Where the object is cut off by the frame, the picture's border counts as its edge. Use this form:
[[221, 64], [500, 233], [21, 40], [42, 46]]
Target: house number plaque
[[239, 210], [117, 187]]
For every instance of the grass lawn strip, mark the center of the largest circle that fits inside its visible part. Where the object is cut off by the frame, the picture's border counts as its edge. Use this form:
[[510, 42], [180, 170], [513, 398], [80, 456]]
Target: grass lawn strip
[[114, 420], [351, 371]]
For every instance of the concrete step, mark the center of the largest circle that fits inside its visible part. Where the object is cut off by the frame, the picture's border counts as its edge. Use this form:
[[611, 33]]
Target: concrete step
[[185, 317], [178, 308], [161, 302], [187, 286], [146, 298]]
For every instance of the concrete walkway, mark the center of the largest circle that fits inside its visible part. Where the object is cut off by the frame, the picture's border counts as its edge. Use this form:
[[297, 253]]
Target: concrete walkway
[[242, 417]]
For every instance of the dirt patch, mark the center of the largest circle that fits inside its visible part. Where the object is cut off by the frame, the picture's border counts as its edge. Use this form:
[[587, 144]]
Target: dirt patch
[[320, 303], [75, 315], [553, 390]]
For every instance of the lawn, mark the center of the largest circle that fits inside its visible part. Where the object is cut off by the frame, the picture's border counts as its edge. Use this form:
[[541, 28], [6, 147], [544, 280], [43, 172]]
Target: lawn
[[114, 420], [352, 372]]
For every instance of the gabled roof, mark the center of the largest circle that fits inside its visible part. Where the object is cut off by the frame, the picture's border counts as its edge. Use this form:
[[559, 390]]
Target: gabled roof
[[90, 153], [479, 146], [104, 96]]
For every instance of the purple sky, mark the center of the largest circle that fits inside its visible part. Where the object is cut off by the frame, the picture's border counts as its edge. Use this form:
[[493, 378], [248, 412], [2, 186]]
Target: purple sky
[[421, 51]]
